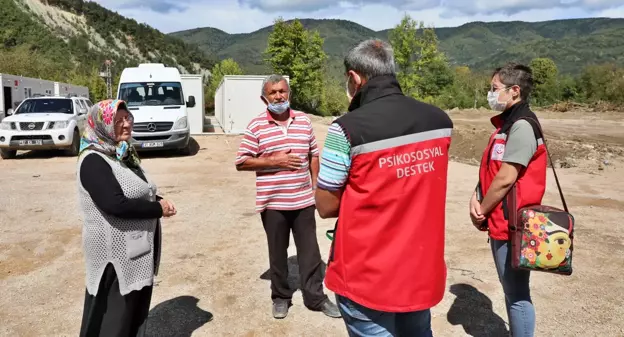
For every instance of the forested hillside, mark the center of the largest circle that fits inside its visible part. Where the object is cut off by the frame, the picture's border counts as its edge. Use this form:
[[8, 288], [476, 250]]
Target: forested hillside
[[70, 39], [572, 44]]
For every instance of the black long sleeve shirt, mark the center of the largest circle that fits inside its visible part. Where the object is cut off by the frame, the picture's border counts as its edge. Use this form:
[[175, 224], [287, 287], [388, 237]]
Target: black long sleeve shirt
[[99, 181]]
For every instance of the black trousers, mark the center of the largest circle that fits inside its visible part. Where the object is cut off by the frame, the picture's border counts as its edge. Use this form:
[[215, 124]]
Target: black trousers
[[109, 314], [277, 225]]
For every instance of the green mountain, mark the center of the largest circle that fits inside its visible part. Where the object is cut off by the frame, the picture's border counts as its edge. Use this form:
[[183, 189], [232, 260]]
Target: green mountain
[[572, 44], [77, 35]]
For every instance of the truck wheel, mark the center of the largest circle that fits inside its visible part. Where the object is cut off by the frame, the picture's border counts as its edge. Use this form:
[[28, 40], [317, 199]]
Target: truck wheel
[[7, 154], [75, 146]]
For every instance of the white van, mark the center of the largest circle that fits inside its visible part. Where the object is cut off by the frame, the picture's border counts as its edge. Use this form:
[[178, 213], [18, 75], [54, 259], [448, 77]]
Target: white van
[[154, 96]]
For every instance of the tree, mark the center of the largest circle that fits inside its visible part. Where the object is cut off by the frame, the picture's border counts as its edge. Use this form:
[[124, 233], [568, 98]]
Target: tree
[[568, 88], [603, 83], [423, 70], [546, 90], [225, 67], [23, 61], [298, 53], [469, 90], [334, 98], [93, 81]]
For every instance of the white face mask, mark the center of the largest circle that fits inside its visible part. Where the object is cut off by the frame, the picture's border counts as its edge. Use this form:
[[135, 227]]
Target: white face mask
[[277, 108], [494, 103]]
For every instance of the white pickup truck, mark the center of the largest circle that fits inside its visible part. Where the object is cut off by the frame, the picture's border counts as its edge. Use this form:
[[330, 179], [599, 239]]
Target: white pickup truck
[[44, 123]]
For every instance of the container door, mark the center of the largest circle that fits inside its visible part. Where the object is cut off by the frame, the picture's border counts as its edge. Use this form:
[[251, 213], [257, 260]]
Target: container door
[[6, 100]]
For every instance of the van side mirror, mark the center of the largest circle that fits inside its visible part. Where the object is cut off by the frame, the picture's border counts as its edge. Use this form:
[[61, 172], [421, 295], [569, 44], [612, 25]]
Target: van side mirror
[[191, 102]]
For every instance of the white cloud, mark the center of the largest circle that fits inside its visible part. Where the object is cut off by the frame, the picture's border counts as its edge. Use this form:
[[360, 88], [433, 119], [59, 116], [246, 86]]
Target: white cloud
[[243, 16], [314, 5], [510, 7]]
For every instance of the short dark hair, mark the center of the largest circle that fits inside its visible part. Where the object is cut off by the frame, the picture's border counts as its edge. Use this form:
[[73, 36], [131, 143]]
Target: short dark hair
[[516, 74], [371, 58]]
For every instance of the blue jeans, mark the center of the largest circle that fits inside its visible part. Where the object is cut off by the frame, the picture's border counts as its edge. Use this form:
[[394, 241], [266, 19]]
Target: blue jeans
[[520, 310], [365, 322]]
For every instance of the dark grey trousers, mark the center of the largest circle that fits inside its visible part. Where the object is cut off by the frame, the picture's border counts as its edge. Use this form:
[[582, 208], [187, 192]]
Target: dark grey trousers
[[277, 225]]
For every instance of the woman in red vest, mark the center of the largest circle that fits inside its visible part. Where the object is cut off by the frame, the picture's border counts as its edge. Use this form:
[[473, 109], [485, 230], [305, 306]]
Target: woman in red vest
[[515, 155]]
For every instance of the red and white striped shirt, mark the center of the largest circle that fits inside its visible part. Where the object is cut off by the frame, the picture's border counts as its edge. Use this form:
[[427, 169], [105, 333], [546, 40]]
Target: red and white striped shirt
[[281, 189]]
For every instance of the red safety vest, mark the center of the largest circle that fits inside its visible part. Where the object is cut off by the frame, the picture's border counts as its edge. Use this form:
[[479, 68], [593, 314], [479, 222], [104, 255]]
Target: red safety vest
[[388, 248], [531, 182], [389, 241]]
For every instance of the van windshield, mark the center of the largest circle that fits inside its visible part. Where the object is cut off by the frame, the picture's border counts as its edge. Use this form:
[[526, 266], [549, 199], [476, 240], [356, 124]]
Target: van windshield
[[151, 93]]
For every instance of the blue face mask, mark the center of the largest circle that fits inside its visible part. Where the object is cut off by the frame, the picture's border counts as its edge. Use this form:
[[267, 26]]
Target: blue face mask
[[278, 108]]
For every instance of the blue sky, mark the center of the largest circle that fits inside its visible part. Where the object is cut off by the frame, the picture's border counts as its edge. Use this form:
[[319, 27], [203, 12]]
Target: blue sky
[[243, 16]]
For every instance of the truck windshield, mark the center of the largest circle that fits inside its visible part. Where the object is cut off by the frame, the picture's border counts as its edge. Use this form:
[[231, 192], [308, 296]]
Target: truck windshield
[[151, 93], [44, 105]]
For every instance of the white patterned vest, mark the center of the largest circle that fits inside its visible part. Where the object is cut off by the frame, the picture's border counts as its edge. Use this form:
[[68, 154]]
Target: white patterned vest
[[126, 243]]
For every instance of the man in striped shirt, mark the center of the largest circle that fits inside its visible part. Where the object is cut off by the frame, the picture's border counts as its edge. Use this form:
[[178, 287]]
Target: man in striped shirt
[[279, 145]]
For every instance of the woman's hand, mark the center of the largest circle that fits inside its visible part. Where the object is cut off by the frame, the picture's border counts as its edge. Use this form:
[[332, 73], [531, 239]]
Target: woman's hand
[[475, 213], [168, 208]]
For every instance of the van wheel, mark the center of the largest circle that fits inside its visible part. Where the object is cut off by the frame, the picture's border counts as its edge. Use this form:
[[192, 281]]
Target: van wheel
[[191, 148], [7, 154], [75, 146], [186, 151]]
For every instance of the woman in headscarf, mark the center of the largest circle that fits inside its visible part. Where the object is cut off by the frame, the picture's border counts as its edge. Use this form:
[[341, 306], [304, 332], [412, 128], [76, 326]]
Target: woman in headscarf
[[121, 231]]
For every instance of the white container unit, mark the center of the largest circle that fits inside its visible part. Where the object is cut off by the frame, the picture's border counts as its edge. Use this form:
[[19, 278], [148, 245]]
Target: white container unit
[[193, 85], [237, 101], [14, 89], [65, 89]]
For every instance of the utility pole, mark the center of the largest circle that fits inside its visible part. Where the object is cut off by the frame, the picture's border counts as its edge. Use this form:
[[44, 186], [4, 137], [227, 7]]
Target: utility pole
[[108, 78]]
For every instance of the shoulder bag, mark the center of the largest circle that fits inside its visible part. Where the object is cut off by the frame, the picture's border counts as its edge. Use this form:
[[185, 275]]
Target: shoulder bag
[[541, 237]]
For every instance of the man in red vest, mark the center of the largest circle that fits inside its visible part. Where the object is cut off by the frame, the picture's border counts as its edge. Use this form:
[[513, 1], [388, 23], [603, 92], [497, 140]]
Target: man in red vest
[[383, 174], [514, 154]]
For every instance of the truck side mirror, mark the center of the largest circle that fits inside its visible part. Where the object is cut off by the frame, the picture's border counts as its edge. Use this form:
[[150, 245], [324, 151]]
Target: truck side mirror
[[82, 111], [9, 112], [191, 102]]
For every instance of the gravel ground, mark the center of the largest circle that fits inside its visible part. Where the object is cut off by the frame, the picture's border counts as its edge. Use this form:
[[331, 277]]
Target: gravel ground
[[212, 279]]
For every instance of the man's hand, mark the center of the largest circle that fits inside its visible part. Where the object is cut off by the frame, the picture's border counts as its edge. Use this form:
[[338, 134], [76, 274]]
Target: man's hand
[[476, 216], [286, 160], [168, 208]]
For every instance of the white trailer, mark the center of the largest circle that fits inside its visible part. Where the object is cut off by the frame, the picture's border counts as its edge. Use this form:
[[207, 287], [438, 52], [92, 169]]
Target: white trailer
[[193, 85], [237, 101], [66, 89], [15, 89]]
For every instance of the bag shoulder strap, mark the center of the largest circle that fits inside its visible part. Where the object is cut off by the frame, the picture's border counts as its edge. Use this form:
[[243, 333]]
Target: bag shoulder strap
[[552, 164]]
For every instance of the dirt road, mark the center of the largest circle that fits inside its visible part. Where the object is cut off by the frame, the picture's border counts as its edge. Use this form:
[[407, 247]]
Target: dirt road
[[212, 280]]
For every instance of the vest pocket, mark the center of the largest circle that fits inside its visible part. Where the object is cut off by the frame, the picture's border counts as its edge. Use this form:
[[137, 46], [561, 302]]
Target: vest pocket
[[137, 244]]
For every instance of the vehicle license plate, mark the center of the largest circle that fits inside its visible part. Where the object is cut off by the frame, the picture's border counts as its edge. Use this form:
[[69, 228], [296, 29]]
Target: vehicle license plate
[[153, 144], [30, 142]]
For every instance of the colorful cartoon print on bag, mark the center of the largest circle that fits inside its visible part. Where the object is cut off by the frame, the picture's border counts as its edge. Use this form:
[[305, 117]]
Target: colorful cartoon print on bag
[[546, 244]]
